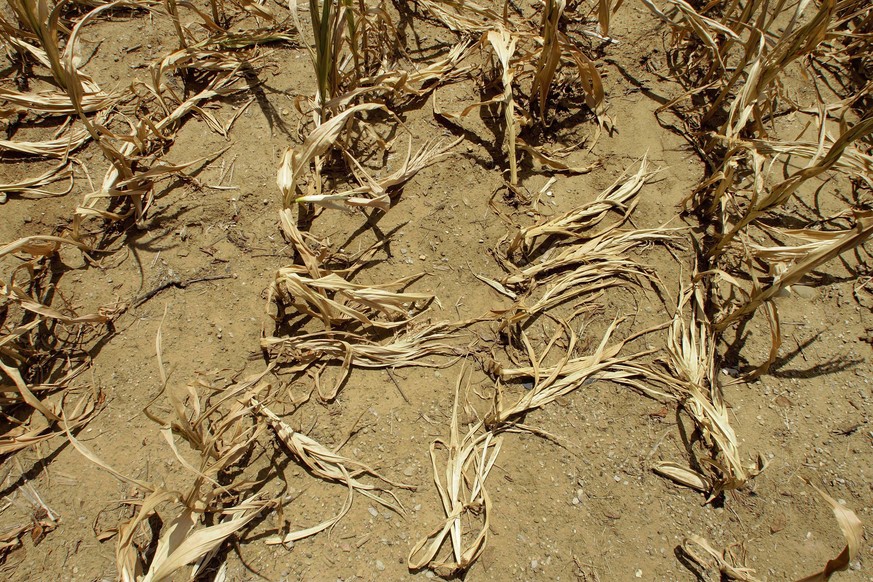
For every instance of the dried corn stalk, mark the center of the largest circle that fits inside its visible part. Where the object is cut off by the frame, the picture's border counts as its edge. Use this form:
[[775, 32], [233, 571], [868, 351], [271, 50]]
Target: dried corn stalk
[[621, 197], [550, 55], [423, 81], [503, 43], [56, 103], [336, 301], [588, 281], [330, 466], [461, 486], [695, 382], [768, 199]]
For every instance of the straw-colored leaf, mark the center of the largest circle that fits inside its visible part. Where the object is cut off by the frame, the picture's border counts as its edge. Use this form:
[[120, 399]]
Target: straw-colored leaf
[[504, 43], [853, 532], [295, 161], [469, 460]]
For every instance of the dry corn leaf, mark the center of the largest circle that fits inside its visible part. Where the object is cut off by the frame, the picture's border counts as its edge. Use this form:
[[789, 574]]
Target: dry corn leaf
[[469, 460], [621, 196], [33, 186], [408, 348], [853, 531], [336, 301], [295, 161], [377, 190], [718, 561], [182, 542], [328, 465], [824, 250]]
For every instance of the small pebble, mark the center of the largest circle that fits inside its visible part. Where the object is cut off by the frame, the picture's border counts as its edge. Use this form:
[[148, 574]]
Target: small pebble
[[379, 565], [373, 511], [617, 479], [422, 257], [534, 564], [803, 291], [638, 573], [409, 471]]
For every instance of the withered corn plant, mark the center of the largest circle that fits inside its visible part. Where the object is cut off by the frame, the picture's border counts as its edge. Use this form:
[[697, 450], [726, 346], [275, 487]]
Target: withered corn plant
[[531, 62], [735, 70], [44, 347], [224, 496]]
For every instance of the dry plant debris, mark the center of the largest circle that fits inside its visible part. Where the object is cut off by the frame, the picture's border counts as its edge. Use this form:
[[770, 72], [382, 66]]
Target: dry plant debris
[[461, 486], [329, 465], [531, 65]]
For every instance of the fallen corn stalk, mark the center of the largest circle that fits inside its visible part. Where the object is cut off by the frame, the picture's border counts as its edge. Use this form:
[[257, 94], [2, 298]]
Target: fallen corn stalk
[[330, 466], [469, 459]]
